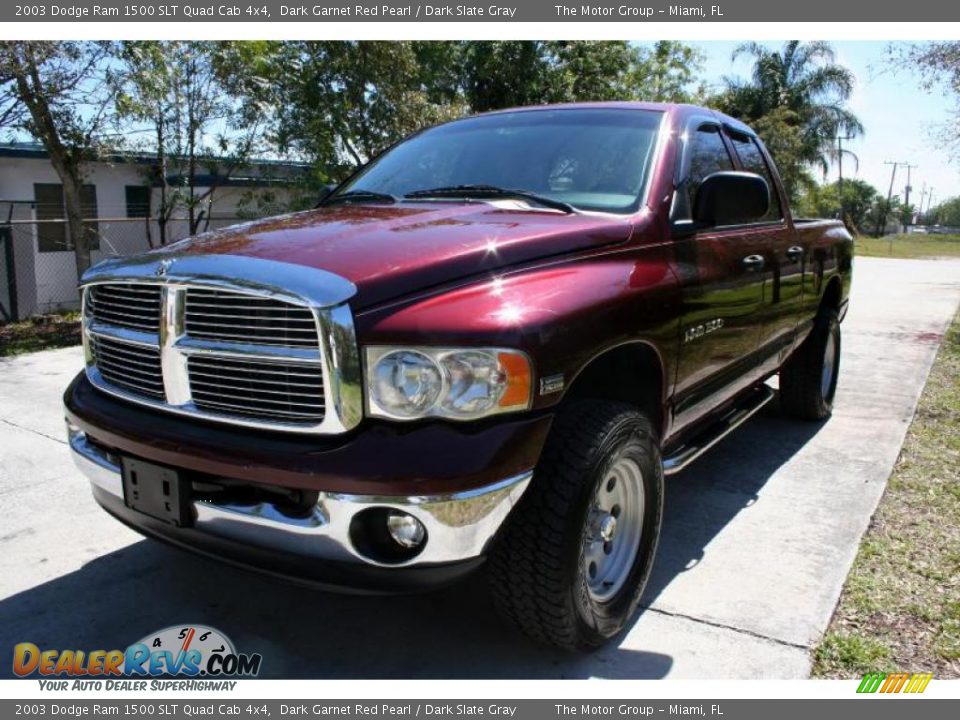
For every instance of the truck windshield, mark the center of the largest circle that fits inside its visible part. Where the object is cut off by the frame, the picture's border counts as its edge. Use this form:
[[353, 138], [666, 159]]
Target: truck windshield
[[590, 159]]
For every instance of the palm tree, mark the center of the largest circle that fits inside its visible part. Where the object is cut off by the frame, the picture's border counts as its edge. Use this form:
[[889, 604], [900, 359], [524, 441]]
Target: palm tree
[[802, 82]]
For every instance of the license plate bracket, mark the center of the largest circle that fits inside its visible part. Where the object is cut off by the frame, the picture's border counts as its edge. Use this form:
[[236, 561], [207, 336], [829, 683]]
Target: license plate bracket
[[157, 491]]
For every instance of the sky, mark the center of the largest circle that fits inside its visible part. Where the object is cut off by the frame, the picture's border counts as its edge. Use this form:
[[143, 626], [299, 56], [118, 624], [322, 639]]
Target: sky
[[900, 118]]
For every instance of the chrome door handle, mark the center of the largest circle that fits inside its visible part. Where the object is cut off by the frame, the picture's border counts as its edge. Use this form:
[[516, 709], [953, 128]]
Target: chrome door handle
[[795, 252], [753, 262]]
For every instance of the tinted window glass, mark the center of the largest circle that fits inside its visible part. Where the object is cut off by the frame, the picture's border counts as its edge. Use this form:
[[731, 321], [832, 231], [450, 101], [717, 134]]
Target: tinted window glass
[[752, 160], [48, 206], [138, 201], [592, 159], [708, 155], [51, 236]]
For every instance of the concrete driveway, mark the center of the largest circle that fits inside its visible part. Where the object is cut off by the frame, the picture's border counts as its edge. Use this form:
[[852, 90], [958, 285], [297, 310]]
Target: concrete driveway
[[758, 538]]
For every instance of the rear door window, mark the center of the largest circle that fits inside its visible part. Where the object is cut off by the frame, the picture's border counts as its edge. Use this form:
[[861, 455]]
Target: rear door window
[[753, 161]]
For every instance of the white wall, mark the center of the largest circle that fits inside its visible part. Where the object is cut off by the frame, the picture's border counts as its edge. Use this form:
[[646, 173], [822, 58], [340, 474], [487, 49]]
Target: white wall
[[54, 273]]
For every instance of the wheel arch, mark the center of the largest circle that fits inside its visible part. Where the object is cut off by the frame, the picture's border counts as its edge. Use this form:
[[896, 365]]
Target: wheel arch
[[832, 295], [632, 372]]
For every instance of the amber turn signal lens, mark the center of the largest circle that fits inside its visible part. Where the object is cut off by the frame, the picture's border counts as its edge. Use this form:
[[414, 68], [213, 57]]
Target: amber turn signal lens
[[517, 369]]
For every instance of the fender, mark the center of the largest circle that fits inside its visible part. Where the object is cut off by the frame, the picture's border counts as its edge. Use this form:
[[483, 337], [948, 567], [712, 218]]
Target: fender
[[563, 315]]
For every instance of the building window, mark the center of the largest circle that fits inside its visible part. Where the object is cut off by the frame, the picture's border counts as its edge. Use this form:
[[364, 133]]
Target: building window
[[138, 201], [52, 235]]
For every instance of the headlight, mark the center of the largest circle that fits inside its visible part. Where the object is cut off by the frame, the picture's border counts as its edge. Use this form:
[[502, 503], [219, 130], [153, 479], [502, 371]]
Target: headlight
[[460, 384], [406, 383]]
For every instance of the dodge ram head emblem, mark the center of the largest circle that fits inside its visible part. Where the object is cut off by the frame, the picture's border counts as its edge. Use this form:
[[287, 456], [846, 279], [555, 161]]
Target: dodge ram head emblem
[[163, 267]]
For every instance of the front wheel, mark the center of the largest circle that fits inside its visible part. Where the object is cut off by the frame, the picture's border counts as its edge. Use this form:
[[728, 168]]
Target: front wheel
[[808, 380], [575, 555]]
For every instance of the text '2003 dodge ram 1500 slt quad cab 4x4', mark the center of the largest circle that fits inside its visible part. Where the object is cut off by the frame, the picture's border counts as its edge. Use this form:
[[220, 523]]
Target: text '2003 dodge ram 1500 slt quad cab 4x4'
[[490, 344]]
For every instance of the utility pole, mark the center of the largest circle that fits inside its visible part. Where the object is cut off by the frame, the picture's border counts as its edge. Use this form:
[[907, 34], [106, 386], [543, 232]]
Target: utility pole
[[843, 207], [882, 216], [908, 188]]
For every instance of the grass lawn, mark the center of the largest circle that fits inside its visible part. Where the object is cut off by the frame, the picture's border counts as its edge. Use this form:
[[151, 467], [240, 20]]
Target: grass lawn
[[914, 245], [900, 607], [43, 332]]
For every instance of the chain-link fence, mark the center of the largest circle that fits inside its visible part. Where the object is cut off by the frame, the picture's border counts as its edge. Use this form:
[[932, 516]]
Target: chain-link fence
[[38, 272]]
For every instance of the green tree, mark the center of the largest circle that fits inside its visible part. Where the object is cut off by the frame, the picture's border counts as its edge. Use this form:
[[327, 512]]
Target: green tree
[[859, 198], [881, 213], [501, 74], [340, 103], [800, 87], [782, 133], [907, 213], [195, 117], [344, 102], [59, 93], [946, 213], [666, 72], [939, 66], [571, 71]]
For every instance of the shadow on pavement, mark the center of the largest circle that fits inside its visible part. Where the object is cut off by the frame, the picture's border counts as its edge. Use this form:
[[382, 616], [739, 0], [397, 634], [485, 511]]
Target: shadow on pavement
[[302, 633], [707, 496]]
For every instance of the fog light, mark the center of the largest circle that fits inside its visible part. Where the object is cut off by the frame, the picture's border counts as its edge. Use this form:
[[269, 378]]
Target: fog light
[[405, 529]]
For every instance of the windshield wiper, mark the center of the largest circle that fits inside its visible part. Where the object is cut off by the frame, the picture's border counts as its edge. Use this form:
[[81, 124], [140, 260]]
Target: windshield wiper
[[361, 196], [491, 191]]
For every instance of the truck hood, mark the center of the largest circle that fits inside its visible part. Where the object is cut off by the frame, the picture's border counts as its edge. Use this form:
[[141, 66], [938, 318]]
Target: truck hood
[[389, 251]]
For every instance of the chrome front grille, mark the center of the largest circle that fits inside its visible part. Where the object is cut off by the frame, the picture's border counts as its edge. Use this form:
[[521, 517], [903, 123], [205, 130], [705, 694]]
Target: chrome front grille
[[136, 307], [258, 389], [134, 368], [230, 316], [223, 354]]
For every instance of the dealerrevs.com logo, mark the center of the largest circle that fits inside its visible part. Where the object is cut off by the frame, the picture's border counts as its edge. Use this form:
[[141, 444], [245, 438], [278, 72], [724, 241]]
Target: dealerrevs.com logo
[[191, 651]]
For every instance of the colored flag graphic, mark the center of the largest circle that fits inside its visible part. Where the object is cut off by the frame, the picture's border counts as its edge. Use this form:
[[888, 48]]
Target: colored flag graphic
[[894, 682]]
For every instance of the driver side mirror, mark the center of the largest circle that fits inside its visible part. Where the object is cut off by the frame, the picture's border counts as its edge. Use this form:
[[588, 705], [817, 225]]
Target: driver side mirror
[[731, 198]]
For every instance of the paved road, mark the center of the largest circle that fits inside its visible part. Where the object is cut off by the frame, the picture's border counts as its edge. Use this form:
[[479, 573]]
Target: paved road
[[758, 538]]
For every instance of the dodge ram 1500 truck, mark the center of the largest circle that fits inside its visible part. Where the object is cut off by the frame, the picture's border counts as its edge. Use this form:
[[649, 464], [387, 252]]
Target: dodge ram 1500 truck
[[488, 346]]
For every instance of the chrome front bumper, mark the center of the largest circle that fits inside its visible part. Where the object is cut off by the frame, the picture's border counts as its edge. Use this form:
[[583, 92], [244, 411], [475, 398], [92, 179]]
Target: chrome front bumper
[[458, 527]]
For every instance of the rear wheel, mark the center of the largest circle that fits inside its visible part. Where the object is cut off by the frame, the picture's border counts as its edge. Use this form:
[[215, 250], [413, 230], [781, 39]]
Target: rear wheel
[[808, 380], [575, 555]]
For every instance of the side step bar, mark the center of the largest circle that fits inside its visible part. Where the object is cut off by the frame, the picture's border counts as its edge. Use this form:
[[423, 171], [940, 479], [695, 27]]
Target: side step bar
[[690, 451]]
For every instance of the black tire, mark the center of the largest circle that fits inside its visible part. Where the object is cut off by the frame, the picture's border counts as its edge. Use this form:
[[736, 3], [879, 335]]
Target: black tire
[[805, 393], [536, 568]]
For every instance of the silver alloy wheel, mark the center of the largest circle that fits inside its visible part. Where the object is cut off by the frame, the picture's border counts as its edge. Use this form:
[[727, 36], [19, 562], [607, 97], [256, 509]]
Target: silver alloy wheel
[[612, 534], [829, 365]]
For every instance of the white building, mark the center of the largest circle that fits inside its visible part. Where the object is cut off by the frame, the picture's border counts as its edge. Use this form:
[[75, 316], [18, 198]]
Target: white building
[[37, 265]]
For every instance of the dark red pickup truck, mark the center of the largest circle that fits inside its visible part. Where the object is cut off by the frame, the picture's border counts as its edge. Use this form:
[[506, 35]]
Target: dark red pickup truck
[[490, 344]]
